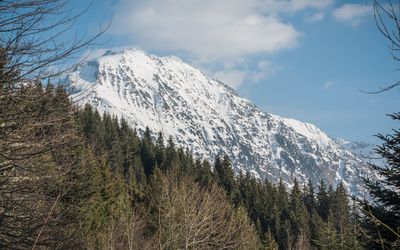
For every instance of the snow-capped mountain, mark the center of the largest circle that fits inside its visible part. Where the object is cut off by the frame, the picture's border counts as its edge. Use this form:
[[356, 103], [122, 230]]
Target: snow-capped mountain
[[362, 150], [208, 117]]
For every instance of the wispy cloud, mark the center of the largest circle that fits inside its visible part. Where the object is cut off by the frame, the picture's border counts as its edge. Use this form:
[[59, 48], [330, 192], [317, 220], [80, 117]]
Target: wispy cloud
[[95, 53], [328, 85], [235, 75], [234, 78], [205, 29], [352, 14], [216, 31], [299, 5], [317, 17], [264, 69]]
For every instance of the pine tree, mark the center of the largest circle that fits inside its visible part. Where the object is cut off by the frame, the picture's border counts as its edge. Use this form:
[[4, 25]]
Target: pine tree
[[107, 208], [224, 173], [41, 171], [381, 218], [327, 237], [160, 154], [323, 201], [147, 153], [171, 154], [316, 226], [340, 208], [204, 174], [298, 214], [309, 197], [269, 243], [282, 196]]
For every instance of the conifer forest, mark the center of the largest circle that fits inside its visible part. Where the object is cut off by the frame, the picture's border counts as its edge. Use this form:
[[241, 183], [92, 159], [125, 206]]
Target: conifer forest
[[74, 178]]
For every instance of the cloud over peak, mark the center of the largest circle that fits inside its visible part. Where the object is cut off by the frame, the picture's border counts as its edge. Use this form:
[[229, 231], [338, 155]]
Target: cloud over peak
[[214, 31], [353, 14]]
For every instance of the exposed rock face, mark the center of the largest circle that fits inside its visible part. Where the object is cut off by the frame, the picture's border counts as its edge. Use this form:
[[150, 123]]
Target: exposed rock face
[[208, 117]]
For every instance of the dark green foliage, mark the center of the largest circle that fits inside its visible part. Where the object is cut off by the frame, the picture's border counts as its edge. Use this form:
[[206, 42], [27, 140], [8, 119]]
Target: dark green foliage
[[309, 197], [170, 153], [298, 213], [42, 184], [323, 201], [120, 165], [296, 219], [381, 218], [327, 237], [292, 218], [203, 174], [340, 208], [147, 153], [224, 173], [269, 242], [160, 154]]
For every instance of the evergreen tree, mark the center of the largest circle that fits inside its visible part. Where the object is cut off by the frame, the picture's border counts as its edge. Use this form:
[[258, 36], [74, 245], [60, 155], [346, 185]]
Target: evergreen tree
[[147, 153], [381, 217], [224, 173], [282, 196], [327, 237], [171, 154], [204, 175], [309, 197], [323, 201], [316, 226], [87, 118], [340, 208], [298, 214], [269, 243], [160, 154], [125, 173]]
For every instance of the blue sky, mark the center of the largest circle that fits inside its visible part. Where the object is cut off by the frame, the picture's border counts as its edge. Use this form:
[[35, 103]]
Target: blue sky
[[304, 59]]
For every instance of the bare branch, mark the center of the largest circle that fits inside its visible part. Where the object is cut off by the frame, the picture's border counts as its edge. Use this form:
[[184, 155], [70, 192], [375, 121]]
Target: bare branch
[[387, 20]]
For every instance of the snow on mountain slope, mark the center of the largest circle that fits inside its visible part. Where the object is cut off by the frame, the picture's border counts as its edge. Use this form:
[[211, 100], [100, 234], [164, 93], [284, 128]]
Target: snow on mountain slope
[[209, 118], [363, 150]]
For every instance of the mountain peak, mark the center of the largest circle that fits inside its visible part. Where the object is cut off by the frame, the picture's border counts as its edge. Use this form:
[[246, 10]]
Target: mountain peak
[[118, 54], [209, 118]]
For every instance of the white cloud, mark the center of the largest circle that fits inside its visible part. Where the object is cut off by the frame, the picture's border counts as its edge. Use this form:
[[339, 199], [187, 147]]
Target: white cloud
[[238, 72], [353, 14], [280, 6], [233, 78], [204, 28], [263, 64], [297, 5], [211, 31], [317, 17], [264, 69], [257, 76], [95, 53], [328, 85]]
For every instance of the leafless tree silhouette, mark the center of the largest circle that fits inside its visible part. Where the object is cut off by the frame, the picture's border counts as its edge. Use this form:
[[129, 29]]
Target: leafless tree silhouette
[[387, 19]]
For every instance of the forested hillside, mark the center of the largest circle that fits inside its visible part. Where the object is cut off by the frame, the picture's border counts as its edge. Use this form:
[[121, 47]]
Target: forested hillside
[[73, 178], [208, 117]]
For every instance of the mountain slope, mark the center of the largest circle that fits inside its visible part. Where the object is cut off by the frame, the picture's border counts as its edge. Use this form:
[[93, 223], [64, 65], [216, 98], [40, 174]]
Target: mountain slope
[[208, 118]]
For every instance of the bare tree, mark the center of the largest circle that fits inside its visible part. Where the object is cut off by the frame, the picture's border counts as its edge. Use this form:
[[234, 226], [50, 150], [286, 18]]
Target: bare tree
[[185, 216], [387, 19], [40, 147], [108, 220], [40, 164], [34, 38]]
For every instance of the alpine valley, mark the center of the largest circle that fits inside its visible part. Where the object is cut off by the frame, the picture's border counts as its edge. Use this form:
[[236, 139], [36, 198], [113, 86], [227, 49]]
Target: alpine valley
[[208, 118]]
